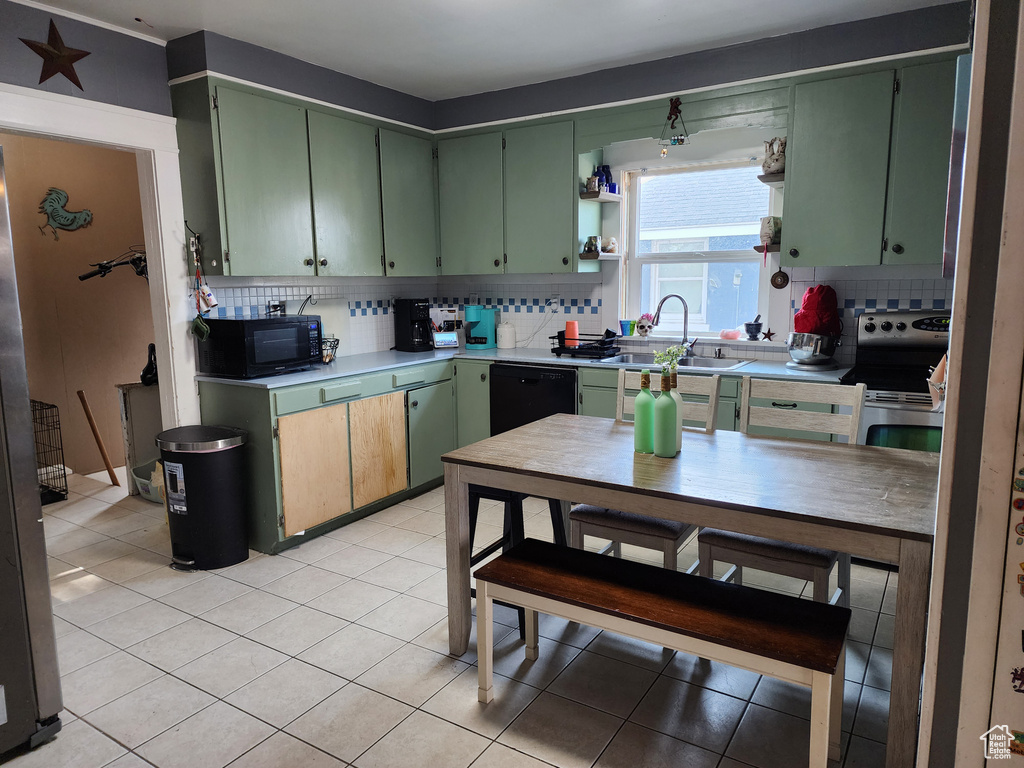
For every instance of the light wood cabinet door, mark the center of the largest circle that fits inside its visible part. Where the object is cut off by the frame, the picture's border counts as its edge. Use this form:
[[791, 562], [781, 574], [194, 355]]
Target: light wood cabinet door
[[377, 427], [314, 467]]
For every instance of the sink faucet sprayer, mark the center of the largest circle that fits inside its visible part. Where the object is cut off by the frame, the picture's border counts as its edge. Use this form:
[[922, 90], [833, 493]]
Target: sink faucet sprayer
[[687, 348]]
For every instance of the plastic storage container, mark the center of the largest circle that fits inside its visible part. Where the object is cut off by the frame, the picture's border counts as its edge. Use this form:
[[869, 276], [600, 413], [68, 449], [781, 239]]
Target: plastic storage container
[[204, 482], [144, 481]]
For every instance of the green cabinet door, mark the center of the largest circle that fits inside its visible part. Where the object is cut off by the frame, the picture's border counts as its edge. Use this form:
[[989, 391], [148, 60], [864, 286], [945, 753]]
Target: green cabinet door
[[919, 164], [264, 159], [540, 196], [431, 430], [597, 401], [473, 400], [346, 197], [471, 212], [837, 159], [409, 196]]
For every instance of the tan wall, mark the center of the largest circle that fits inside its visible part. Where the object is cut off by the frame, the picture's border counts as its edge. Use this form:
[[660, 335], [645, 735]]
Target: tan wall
[[89, 335]]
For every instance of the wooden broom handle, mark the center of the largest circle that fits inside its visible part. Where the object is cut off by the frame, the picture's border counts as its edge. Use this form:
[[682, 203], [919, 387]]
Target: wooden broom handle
[[99, 440]]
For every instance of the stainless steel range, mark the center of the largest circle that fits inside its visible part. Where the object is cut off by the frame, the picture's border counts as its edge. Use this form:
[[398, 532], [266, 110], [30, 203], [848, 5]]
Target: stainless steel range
[[895, 354]]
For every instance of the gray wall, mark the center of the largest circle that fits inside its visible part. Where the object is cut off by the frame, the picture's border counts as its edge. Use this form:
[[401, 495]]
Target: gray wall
[[226, 56], [119, 69], [854, 41]]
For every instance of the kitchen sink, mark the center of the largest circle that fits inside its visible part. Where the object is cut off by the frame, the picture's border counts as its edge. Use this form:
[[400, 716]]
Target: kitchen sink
[[647, 358]]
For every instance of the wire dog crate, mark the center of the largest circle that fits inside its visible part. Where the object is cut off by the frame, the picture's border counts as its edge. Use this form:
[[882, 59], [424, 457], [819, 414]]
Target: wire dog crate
[[52, 477]]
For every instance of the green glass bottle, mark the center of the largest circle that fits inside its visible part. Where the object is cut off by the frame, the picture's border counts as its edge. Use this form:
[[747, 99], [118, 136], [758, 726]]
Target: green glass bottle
[[679, 412], [643, 416], [665, 420]]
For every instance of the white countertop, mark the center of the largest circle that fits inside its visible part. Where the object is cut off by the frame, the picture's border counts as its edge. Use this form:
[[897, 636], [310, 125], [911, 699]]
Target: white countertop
[[373, 362]]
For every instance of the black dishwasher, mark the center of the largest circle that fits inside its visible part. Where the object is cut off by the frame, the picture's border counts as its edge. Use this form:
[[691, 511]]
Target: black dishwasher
[[524, 393]]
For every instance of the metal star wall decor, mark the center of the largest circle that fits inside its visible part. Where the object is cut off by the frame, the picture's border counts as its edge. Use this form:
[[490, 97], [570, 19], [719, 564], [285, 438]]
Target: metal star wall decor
[[58, 59]]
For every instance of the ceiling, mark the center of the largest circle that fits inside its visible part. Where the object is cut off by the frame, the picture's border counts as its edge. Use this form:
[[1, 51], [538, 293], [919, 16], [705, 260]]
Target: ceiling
[[439, 49]]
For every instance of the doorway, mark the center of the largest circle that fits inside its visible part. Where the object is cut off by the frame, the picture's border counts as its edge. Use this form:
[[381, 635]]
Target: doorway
[[89, 335]]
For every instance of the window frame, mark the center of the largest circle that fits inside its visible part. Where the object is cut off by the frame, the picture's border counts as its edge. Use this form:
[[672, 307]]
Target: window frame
[[632, 283]]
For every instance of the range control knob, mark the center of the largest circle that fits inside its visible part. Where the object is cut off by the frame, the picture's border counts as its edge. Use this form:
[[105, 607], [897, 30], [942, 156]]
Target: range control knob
[[886, 326], [901, 326], [869, 327]]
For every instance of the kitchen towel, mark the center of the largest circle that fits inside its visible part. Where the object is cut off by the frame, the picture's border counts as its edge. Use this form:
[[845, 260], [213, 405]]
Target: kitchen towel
[[819, 312]]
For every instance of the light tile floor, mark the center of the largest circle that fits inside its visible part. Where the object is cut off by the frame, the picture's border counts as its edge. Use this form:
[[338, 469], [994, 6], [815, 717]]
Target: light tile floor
[[335, 653]]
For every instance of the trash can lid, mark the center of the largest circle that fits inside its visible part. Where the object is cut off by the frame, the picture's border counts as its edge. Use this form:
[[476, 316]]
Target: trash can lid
[[200, 439]]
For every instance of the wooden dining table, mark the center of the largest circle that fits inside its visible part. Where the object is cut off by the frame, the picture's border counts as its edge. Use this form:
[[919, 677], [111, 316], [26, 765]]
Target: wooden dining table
[[871, 502]]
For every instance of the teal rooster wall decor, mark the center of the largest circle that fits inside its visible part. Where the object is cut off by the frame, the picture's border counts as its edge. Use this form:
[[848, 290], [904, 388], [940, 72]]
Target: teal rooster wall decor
[[58, 217]]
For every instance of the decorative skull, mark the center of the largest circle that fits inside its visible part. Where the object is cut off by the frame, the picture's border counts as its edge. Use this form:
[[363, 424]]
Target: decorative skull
[[645, 324]]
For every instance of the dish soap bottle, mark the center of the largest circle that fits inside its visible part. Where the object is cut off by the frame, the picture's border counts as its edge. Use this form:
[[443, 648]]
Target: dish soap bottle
[[643, 416], [679, 412], [665, 420]]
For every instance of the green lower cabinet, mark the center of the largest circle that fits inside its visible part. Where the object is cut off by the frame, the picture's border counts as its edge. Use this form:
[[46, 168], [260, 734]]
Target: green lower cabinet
[[598, 391], [598, 401], [790, 406], [431, 430], [473, 410]]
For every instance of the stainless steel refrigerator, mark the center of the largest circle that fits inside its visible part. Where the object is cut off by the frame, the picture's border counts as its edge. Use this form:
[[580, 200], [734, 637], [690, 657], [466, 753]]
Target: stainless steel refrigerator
[[30, 699]]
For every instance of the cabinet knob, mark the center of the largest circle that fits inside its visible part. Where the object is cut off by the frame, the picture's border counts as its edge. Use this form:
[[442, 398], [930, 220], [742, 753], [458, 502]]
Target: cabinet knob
[[308, 262], [897, 248], [565, 259], [794, 252], [497, 262], [391, 265], [414, 403], [483, 377], [323, 262]]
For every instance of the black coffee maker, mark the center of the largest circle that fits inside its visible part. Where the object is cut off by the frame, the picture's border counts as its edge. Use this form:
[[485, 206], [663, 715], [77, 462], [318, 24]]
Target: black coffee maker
[[412, 325]]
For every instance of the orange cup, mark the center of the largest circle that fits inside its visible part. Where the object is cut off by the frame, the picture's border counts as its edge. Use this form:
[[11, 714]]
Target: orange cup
[[572, 333]]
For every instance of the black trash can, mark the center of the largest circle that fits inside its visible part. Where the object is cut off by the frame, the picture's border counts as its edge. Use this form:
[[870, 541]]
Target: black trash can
[[204, 480]]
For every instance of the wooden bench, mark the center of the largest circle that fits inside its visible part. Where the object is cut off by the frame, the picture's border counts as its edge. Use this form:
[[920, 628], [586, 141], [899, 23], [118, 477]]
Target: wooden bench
[[799, 641]]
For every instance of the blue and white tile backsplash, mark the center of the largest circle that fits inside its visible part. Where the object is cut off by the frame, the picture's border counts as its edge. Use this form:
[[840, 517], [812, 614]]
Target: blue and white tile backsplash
[[525, 304], [371, 325]]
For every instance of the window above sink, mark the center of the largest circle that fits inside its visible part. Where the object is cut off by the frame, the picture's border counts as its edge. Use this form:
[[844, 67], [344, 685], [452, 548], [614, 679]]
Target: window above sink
[[693, 232]]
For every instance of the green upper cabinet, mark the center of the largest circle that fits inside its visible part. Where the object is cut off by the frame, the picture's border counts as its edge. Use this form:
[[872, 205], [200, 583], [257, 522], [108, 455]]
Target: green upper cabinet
[[919, 164], [264, 160], [540, 197], [837, 159], [346, 198], [469, 191], [409, 198]]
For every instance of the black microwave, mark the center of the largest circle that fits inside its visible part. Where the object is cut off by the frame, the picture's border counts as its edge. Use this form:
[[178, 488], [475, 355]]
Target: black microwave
[[260, 346]]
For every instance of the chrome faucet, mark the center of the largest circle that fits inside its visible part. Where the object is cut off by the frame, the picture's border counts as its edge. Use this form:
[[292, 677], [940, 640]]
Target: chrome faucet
[[687, 349]]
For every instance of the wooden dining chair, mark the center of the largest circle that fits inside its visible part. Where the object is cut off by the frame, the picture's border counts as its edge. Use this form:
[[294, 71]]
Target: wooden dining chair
[[801, 561], [619, 527]]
